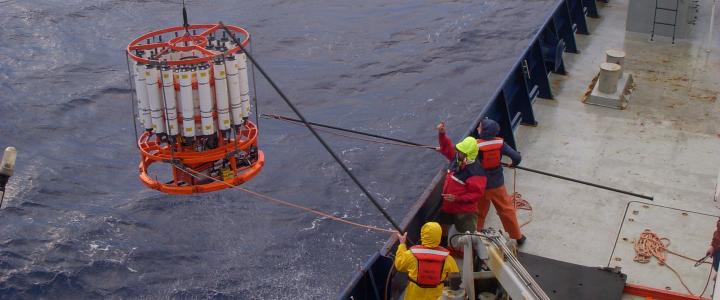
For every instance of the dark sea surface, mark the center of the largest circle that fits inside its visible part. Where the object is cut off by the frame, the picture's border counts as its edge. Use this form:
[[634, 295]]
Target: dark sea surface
[[77, 223]]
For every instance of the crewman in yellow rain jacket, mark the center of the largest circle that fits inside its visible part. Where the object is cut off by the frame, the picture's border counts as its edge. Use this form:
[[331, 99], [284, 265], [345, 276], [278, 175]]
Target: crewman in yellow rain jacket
[[427, 266]]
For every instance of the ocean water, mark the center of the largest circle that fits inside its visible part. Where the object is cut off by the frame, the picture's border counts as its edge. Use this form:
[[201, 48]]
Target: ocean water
[[77, 223]]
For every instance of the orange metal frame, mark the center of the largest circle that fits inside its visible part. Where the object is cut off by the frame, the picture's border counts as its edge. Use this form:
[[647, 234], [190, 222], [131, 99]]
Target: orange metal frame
[[653, 293], [151, 151], [198, 42]]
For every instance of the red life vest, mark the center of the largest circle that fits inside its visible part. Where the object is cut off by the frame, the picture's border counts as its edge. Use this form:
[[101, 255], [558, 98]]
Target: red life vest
[[431, 262], [491, 151]]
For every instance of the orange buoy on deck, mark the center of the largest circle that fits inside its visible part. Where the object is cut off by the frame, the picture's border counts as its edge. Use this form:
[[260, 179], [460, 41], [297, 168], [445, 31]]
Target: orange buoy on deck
[[193, 101]]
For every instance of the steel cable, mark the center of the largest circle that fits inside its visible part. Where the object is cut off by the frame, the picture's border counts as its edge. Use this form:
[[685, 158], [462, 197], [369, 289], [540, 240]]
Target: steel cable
[[312, 130]]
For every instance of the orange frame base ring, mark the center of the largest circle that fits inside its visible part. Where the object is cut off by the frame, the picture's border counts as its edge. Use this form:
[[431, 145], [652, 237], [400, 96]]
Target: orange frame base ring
[[239, 157]]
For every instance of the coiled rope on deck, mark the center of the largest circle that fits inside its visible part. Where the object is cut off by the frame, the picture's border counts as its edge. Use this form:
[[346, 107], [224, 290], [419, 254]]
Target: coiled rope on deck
[[519, 202], [650, 245], [199, 175]]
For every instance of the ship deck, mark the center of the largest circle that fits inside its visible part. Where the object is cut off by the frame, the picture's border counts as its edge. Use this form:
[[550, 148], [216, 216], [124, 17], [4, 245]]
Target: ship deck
[[665, 144]]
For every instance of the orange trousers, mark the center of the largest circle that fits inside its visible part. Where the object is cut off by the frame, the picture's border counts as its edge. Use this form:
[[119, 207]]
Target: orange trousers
[[505, 210]]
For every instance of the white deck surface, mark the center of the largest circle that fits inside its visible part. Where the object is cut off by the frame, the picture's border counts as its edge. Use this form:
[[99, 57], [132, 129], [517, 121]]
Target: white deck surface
[[665, 144], [670, 221]]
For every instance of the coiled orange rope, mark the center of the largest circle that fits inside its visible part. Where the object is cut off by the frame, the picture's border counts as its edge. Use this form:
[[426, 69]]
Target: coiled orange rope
[[519, 202], [523, 204], [650, 245]]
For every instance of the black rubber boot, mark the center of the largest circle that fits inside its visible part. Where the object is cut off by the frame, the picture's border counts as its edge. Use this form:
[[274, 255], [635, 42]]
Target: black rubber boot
[[521, 240]]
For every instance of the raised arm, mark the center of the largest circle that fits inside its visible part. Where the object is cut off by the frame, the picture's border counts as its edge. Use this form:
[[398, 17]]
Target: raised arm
[[446, 146]]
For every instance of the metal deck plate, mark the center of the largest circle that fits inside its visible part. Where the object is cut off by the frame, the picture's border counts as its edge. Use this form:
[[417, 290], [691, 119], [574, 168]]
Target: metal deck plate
[[689, 233], [562, 280]]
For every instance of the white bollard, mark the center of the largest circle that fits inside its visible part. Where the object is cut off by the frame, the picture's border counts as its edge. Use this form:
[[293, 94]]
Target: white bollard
[[616, 56], [609, 77]]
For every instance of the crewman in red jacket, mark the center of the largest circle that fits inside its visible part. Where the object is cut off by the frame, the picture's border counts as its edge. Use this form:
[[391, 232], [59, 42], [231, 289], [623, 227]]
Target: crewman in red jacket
[[464, 183]]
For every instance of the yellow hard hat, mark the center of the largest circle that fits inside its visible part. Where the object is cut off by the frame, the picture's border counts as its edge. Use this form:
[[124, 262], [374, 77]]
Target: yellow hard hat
[[469, 147]]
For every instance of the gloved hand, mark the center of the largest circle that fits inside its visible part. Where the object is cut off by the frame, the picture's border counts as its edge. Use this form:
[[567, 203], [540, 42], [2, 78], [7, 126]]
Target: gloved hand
[[514, 163], [401, 238], [441, 127]]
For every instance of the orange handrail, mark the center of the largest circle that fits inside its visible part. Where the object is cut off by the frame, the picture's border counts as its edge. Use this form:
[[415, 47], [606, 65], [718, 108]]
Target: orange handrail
[[653, 293]]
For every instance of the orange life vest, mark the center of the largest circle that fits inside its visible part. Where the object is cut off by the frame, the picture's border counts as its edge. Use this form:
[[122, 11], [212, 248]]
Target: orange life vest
[[491, 151], [431, 262]]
